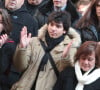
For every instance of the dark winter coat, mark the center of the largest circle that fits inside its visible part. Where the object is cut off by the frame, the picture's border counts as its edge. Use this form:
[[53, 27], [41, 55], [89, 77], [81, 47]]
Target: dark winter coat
[[21, 18], [8, 75], [74, 1], [33, 8], [88, 33], [68, 81], [46, 9]]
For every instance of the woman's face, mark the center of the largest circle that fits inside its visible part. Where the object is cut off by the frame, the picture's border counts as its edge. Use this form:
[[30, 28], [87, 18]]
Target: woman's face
[[1, 23], [82, 9], [87, 62], [98, 9]]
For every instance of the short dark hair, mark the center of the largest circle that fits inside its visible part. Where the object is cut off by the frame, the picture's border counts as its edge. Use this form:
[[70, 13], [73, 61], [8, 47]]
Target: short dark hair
[[60, 17], [97, 53], [87, 48]]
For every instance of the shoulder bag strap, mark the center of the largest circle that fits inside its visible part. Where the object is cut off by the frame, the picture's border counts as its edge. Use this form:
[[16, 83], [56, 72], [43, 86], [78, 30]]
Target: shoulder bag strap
[[51, 59]]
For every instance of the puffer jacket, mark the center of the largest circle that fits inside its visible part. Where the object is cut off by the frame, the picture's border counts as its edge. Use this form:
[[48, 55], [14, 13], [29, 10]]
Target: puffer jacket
[[29, 59], [88, 33]]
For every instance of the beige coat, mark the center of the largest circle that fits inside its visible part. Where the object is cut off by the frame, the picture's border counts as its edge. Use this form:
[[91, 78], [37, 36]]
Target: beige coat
[[29, 59]]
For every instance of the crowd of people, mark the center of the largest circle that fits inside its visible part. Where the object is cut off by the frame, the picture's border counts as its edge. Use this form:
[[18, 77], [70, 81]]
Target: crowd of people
[[49, 44]]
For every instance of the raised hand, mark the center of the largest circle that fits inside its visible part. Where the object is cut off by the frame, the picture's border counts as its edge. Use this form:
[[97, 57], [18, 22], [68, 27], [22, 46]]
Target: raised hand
[[3, 39], [24, 37], [67, 48]]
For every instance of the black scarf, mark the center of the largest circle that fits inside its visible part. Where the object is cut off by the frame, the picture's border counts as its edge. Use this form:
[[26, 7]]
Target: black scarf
[[51, 42]]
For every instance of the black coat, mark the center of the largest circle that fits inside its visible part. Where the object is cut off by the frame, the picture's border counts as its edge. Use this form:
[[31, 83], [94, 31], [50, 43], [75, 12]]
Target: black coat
[[21, 18], [8, 74], [33, 8], [88, 33], [44, 11], [74, 1], [67, 81]]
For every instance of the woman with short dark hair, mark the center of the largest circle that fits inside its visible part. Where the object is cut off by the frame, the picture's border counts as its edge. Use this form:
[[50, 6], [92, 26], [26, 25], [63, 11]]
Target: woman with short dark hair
[[85, 75]]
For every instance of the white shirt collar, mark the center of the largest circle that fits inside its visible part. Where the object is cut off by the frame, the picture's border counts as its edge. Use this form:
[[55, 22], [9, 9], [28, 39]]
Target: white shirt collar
[[62, 8]]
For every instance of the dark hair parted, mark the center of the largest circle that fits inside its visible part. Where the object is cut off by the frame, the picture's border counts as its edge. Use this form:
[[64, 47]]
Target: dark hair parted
[[87, 19], [87, 48], [60, 17], [98, 55], [82, 2], [6, 21], [94, 14]]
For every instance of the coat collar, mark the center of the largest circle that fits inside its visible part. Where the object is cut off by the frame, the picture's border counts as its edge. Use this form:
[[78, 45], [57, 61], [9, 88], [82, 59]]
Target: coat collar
[[20, 10], [60, 47], [42, 32]]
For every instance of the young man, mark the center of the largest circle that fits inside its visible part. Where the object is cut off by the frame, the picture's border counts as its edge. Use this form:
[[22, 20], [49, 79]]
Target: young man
[[33, 54]]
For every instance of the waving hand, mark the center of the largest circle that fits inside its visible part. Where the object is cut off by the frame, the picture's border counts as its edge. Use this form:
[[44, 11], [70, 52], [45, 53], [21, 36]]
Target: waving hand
[[24, 37]]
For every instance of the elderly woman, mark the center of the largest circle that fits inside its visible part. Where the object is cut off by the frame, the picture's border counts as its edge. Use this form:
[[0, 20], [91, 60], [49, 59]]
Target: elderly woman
[[85, 75]]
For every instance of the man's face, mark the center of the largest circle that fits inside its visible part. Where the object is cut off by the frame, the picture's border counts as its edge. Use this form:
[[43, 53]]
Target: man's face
[[59, 3], [55, 30], [13, 4], [34, 2]]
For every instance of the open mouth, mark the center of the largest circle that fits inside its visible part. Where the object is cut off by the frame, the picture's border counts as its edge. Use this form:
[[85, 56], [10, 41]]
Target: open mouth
[[53, 34]]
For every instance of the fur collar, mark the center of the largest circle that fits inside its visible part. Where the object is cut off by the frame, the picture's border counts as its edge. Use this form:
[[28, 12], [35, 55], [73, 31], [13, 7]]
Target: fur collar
[[71, 35]]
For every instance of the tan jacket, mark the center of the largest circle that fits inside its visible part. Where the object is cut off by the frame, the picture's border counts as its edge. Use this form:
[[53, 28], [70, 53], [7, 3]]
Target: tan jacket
[[29, 59]]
